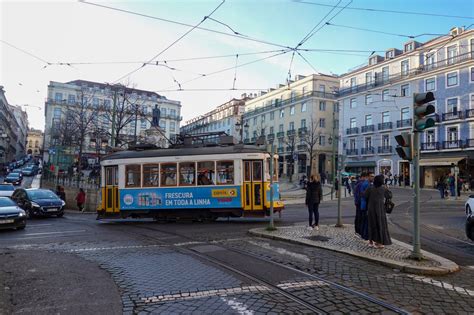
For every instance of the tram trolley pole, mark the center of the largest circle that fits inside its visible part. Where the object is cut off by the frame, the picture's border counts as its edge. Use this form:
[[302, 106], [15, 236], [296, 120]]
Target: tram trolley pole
[[272, 153]]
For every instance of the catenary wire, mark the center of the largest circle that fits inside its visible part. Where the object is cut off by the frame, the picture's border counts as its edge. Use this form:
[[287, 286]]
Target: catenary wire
[[173, 43], [26, 52], [390, 11]]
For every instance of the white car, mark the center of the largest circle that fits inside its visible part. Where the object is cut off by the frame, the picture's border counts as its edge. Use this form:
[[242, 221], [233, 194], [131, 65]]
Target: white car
[[6, 190], [469, 206]]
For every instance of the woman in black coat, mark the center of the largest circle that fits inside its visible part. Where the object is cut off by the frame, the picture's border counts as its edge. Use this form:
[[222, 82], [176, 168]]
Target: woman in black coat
[[314, 195], [377, 218]]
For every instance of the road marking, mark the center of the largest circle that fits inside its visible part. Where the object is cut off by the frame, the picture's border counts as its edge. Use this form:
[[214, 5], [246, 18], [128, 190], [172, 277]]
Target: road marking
[[91, 249], [442, 284], [302, 284], [50, 233], [281, 251], [470, 267], [239, 307], [37, 225]]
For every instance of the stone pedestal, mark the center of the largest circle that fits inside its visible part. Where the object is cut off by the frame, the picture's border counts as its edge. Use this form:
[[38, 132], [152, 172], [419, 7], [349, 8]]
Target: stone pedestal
[[155, 135]]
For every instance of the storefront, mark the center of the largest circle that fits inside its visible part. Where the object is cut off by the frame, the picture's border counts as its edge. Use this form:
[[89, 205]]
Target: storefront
[[385, 167], [360, 166], [433, 169]]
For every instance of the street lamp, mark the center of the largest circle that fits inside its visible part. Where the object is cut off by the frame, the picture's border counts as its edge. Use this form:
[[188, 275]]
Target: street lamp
[[240, 128]]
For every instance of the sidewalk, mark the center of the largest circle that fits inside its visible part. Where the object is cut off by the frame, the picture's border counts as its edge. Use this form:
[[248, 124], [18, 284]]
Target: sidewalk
[[343, 240]]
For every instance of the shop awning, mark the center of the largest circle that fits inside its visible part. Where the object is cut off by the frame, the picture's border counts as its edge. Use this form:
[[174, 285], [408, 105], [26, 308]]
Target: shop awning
[[441, 161], [361, 164]]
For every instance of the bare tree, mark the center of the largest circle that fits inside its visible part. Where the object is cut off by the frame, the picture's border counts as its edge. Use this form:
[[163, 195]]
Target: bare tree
[[291, 141], [310, 139]]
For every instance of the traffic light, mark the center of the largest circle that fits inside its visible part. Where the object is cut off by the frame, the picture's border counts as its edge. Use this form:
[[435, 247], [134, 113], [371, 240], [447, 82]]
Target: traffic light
[[421, 109], [405, 146]]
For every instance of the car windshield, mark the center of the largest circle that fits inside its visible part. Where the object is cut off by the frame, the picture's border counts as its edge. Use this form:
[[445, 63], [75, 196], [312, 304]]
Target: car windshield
[[41, 194], [6, 202], [13, 175], [7, 187]]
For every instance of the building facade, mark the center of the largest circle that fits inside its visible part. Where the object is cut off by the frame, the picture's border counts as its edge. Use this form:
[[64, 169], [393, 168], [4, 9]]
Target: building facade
[[13, 122], [114, 109], [377, 104], [300, 118], [34, 142], [225, 118]]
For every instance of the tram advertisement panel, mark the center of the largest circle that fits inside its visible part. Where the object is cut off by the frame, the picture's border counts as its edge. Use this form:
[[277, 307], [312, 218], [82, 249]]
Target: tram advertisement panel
[[180, 198]]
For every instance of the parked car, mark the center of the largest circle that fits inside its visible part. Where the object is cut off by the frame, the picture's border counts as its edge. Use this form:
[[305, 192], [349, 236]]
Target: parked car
[[6, 190], [19, 171], [14, 178], [39, 202], [11, 216], [29, 170], [470, 217]]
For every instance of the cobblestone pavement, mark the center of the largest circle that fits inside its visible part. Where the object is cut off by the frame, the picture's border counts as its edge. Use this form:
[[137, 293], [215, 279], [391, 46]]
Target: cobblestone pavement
[[450, 294]]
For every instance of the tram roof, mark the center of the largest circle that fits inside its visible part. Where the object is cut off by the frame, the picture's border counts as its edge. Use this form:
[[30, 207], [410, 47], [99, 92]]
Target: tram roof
[[129, 154]]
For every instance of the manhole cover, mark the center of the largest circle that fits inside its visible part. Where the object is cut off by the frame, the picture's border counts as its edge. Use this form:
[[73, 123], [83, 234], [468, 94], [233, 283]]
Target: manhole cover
[[319, 238]]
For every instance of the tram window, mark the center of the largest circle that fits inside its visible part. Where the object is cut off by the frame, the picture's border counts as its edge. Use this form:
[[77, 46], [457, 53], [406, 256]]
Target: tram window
[[109, 179], [132, 175], [187, 174], [168, 174], [206, 173], [225, 172], [247, 171], [257, 170], [275, 166], [151, 174]]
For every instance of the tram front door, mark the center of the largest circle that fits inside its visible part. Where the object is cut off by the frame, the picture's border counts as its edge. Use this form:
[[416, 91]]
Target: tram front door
[[111, 189], [253, 185]]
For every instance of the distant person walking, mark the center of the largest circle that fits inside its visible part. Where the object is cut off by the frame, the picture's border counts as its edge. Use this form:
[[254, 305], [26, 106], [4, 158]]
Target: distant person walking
[[81, 199], [364, 232], [377, 217], [61, 193], [314, 195], [357, 201], [441, 187], [451, 185]]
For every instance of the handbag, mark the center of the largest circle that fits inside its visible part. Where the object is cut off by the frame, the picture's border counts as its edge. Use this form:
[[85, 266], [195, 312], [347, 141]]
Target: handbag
[[389, 205]]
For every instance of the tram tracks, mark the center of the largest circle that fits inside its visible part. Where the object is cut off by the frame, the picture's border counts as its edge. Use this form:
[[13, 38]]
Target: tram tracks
[[283, 290]]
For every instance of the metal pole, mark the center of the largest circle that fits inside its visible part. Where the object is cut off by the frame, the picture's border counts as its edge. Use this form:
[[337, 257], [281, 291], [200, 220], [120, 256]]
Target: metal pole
[[112, 140], [272, 153], [339, 176], [136, 120], [455, 183], [333, 166], [416, 254]]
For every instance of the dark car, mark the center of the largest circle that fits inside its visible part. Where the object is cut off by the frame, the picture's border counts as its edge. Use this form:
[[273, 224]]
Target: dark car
[[470, 222], [39, 202], [11, 216], [29, 170], [13, 178]]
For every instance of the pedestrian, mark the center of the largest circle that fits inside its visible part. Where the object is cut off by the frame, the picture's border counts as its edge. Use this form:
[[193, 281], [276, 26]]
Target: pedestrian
[[314, 195], [58, 190], [400, 180], [451, 185], [348, 185], [364, 229], [81, 199], [395, 179], [377, 217], [323, 178], [441, 187], [357, 200], [459, 187]]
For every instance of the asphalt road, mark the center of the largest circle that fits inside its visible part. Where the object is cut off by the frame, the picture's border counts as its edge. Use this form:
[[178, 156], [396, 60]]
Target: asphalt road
[[79, 265]]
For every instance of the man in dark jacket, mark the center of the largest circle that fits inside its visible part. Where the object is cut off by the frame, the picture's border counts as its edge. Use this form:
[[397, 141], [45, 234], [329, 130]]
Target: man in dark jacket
[[314, 195], [357, 200]]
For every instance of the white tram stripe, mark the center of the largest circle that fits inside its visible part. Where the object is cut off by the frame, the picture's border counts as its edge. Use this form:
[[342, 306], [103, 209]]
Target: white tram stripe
[[51, 233], [281, 251], [442, 284]]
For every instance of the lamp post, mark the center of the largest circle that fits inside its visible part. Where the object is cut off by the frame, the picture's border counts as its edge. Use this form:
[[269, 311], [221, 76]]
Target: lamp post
[[239, 127]]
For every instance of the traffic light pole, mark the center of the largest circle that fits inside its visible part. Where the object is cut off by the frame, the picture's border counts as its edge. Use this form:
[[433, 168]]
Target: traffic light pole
[[339, 191], [416, 254], [272, 153]]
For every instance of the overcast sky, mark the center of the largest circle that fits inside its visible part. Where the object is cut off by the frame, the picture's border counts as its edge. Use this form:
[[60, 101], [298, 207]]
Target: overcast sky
[[76, 32]]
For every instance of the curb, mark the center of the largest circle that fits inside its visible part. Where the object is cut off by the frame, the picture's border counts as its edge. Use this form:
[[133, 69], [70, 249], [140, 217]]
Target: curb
[[447, 266]]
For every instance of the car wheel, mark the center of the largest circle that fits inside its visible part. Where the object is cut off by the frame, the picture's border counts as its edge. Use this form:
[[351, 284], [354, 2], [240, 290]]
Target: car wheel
[[60, 215], [468, 209], [21, 227], [470, 232]]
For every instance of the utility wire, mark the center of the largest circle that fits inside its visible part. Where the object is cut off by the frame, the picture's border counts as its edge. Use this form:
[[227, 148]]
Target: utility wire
[[172, 44], [235, 72], [389, 11], [382, 32], [208, 90], [185, 24], [302, 57], [26, 52], [226, 25]]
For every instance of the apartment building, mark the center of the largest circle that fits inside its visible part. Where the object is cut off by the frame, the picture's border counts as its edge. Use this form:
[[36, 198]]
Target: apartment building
[[377, 103], [34, 142], [293, 114], [224, 118], [21, 131], [114, 107]]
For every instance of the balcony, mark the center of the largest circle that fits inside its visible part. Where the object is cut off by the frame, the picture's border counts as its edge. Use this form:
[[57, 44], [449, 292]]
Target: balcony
[[469, 113], [369, 150], [396, 77], [280, 134], [352, 152], [385, 150], [452, 115], [270, 136], [352, 131], [280, 150], [253, 139], [453, 144], [246, 140], [290, 149], [302, 147], [404, 123], [302, 131], [429, 146], [368, 128], [469, 143], [291, 132], [385, 126]]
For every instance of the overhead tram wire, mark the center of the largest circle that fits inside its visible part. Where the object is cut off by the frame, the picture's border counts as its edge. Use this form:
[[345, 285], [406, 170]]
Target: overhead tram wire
[[211, 90], [173, 43], [27, 52], [382, 32], [390, 11], [188, 25]]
